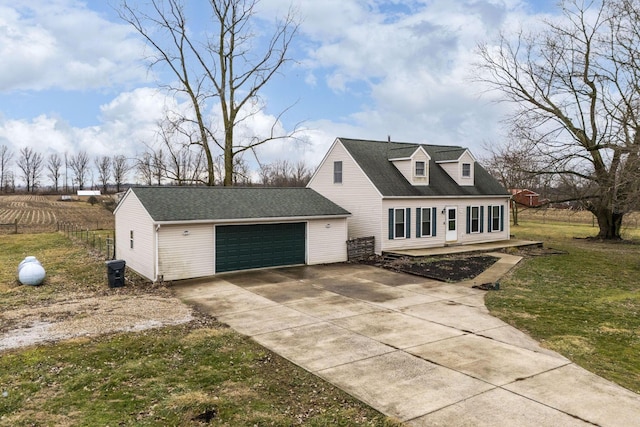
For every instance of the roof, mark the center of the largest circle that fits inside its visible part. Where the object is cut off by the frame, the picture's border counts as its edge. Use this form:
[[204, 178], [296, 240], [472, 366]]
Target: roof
[[373, 158], [224, 203]]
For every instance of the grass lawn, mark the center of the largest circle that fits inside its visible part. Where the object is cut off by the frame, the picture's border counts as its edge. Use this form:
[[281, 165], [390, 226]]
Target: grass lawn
[[583, 303], [191, 374]]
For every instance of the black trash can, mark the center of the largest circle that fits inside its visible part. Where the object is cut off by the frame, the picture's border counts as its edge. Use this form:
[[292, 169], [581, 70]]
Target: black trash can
[[115, 273]]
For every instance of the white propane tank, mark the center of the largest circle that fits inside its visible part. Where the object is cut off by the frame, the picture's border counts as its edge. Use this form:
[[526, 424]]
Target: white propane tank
[[31, 272]]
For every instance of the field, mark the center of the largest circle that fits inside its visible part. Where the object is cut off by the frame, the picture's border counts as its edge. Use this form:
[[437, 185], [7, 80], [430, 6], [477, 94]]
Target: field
[[570, 216], [41, 214]]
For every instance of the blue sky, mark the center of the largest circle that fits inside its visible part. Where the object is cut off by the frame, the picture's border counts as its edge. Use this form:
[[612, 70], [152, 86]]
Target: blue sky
[[73, 75]]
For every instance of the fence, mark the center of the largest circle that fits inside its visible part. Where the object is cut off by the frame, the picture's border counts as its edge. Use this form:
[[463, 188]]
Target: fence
[[100, 243], [13, 225], [360, 248]]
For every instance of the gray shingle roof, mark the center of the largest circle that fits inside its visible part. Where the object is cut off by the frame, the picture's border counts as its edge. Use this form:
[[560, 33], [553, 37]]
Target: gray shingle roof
[[373, 157], [222, 203]]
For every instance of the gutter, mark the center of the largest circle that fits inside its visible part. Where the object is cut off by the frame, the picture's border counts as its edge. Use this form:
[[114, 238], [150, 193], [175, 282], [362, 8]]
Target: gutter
[[249, 220]]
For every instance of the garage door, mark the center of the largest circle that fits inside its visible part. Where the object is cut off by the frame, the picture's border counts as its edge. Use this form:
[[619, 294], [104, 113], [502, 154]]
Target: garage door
[[241, 247]]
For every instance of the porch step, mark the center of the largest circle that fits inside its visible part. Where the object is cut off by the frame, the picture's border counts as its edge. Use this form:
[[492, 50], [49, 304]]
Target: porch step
[[390, 256]]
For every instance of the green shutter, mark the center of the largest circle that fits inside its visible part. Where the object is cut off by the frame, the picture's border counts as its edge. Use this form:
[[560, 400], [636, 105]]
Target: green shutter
[[434, 225], [468, 219], [418, 222], [481, 219], [391, 224], [489, 218], [407, 224], [501, 217]]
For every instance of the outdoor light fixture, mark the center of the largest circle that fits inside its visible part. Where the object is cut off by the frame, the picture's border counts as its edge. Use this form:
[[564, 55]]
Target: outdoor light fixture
[[185, 233]]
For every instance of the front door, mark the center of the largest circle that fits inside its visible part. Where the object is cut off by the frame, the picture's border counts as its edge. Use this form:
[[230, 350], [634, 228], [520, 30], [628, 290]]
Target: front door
[[452, 224]]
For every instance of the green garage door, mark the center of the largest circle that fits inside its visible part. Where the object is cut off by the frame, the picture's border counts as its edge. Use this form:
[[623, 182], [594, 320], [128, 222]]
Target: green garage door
[[241, 247]]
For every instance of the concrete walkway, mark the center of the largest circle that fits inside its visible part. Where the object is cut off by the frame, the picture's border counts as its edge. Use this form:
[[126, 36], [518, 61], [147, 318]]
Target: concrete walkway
[[421, 351]]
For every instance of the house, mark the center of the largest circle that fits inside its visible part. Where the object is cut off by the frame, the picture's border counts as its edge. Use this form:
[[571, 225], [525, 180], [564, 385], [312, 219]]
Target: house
[[527, 198], [411, 196], [173, 233]]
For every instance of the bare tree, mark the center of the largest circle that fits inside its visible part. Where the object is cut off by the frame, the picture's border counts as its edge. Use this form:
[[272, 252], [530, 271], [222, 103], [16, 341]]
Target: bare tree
[[30, 163], [283, 173], [181, 165], [5, 159], [103, 166], [80, 166], [223, 68], [120, 168], [54, 163], [575, 86], [144, 167]]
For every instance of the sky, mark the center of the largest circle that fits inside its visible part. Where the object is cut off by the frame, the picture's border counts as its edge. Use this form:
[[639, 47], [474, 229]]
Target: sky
[[73, 75]]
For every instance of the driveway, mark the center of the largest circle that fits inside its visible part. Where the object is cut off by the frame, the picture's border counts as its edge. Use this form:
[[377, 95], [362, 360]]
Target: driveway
[[421, 351]]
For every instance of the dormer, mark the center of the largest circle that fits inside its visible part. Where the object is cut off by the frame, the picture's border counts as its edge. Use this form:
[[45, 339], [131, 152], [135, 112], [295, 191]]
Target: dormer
[[413, 164], [461, 169]]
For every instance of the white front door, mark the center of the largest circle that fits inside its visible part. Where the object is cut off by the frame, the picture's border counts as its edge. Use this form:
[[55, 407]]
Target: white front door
[[452, 224]]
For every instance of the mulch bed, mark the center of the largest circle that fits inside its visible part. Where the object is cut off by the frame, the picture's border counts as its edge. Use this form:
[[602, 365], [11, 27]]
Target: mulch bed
[[445, 269]]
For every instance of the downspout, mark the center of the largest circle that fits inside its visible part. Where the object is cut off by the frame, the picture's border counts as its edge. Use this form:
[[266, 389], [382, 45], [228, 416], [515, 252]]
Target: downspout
[[157, 260]]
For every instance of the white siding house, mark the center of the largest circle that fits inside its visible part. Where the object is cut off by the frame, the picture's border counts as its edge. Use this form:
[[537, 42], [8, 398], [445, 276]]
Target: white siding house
[[174, 233], [411, 196]]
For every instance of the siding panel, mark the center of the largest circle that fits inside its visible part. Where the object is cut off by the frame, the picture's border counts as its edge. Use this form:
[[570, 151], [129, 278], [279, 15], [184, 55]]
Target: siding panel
[[327, 245], [356, 194], [132, 216], [185, 255]]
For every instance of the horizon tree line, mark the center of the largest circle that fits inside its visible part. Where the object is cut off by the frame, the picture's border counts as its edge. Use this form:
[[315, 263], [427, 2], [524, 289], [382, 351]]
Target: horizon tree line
[[169, 166]]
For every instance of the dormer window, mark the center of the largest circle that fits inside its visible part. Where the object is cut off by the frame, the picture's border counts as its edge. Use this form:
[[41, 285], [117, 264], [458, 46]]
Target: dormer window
[[420, 169], [466, 170]]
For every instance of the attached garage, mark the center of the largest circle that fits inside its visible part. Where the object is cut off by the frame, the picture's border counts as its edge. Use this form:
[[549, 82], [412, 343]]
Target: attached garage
[[260, 245], [174, 233]]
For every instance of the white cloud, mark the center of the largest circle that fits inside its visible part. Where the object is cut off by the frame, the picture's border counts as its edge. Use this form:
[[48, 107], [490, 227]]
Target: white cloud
[[64, 45]]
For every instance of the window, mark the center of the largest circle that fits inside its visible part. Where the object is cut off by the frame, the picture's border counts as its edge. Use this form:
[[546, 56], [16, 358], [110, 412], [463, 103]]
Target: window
[[425, 223], [495, 218], [131, 239], [398, 229], [466, 170], [475, 219], [420, 169], [337, 172]]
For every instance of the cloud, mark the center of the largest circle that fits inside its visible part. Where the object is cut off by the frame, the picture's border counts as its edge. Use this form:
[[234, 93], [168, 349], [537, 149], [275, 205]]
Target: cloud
[[62, 44]]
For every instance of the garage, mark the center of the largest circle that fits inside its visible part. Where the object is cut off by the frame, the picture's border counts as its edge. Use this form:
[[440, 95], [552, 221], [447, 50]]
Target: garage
[[243, 247], [177, 233]]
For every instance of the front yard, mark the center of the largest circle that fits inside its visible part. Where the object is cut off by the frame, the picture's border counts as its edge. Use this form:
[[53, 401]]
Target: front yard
[[191, 372], [583, 302]]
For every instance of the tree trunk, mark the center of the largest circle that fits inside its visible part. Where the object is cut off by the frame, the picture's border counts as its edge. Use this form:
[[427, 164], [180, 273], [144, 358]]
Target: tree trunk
[[514, 212], [610, 224]]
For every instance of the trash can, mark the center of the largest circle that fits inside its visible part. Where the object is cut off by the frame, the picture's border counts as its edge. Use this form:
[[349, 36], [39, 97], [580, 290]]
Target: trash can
[[115, 273]]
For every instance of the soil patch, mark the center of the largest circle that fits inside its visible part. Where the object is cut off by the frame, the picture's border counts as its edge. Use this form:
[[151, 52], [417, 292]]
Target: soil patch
[[445, 269]]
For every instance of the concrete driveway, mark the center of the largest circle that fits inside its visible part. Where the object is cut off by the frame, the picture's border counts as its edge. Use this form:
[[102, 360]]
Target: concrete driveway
[[422, 351]]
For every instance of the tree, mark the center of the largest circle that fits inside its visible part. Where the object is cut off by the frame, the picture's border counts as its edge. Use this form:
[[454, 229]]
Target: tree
[[224, 67], [282, 173], [5, 159], [80, 166], [144, 166], [54, 163], [574, 84], [30, 163], [103, 166], [120, 168], [181, 165], [515, 168]]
